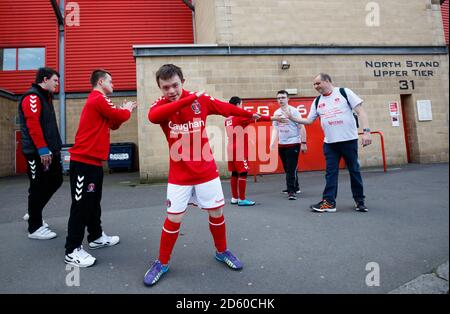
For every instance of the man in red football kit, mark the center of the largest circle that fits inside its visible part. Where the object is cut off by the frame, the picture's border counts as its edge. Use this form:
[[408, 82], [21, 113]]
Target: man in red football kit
[[91, 148], [237, 152], [193, 175]]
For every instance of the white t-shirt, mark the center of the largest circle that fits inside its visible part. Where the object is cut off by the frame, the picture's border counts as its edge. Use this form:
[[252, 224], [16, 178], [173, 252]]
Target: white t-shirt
[[289, 132], [336, 117]]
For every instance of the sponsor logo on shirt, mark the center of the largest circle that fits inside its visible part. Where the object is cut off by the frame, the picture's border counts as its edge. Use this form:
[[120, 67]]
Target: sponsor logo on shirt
[[188, 127], [338, 122]]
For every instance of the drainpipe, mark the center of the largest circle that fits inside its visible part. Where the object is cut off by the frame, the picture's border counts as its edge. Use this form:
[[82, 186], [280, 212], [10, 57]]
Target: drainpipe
[[59, 12]]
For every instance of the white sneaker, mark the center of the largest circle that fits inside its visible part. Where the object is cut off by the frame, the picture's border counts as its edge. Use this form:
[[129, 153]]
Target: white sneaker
[[80, 258], [43, 233], [26, 217], [104, 241], [234, 201]]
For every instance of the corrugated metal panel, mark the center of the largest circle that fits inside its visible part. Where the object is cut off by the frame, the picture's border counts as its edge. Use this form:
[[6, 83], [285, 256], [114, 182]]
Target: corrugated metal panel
[[444, 12], [27, 23], [107, 31]]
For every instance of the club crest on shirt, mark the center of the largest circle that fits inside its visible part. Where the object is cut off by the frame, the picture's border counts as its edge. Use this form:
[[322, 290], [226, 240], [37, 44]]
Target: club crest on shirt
[[322, 105], [91, 188], [196, 108], [336, 100]]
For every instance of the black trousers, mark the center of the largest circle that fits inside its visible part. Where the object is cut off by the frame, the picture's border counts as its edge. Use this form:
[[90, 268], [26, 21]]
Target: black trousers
[[43, 184], [86, 183], [289, 158]]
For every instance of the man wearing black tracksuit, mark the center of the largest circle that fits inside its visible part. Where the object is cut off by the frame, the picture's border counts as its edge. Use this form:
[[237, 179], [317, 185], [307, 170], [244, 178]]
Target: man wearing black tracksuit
[[41, 145]]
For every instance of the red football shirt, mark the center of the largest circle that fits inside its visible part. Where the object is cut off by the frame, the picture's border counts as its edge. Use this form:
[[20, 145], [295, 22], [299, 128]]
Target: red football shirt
[[99, 115], [183, 123], [238, 140]]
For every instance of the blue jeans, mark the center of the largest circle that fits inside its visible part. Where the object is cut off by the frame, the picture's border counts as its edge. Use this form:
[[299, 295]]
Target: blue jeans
[[333, 153]]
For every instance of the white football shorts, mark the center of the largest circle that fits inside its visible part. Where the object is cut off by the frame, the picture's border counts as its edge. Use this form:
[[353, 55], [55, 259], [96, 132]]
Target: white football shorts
[[208, 196]]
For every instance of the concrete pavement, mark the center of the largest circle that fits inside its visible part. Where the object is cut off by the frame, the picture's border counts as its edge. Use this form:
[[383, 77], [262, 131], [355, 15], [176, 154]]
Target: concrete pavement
[[284, 246]]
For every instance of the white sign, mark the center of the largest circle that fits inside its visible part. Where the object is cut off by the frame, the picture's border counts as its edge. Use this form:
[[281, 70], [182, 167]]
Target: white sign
[[395, 121], [122, 156], [424, 110], [394, 113]]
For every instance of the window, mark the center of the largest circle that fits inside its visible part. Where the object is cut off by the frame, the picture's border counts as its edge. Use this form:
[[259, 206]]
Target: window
[[13, 59], [9, 59]]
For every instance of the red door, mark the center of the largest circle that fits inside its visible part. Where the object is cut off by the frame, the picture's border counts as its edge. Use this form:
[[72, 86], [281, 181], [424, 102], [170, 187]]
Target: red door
[[21, 162], [312, 160]]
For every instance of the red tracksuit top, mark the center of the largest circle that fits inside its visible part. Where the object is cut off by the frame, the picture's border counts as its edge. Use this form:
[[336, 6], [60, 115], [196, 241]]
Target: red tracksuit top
[[183, 123], [92, 140], [31, 106], [237, 146]]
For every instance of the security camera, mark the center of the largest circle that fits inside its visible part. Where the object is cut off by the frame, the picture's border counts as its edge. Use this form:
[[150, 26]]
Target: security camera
[[285, 65]]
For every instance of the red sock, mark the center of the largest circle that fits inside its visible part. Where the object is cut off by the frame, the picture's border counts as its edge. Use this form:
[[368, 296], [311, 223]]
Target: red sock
[[242, 187], [218, 231], [169, 236], [234, 187]]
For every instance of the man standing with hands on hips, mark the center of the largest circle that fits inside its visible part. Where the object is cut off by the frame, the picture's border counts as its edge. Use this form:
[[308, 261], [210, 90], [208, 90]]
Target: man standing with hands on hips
[[334, 106]]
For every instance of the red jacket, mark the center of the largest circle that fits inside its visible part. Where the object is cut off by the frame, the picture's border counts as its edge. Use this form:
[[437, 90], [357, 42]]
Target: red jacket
[[92, 140]]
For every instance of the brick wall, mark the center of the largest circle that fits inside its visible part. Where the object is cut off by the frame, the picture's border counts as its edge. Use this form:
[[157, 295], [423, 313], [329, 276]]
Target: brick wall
[[128, 132], [333, 22], [261, 77], [8, 113]]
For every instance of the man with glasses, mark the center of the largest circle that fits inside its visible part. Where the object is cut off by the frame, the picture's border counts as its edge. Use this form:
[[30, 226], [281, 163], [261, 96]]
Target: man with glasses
[[291, 140]]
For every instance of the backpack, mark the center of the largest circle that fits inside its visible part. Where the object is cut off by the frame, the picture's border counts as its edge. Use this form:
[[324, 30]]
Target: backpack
[[343, 93]]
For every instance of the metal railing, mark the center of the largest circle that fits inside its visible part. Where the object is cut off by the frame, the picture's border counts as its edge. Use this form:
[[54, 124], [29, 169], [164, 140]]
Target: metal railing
[[383, 152]]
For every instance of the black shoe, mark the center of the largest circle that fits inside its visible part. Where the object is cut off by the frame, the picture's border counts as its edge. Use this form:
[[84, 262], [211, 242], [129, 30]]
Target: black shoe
[[286, 191], [324, 206], [292, 197], [361, 207]]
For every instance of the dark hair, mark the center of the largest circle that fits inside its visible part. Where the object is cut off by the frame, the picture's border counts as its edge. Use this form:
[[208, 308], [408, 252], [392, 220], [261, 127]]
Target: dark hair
[[235, 100], [167, 71], [283, 92], [325, 77], [97, 75], [44, 73]]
